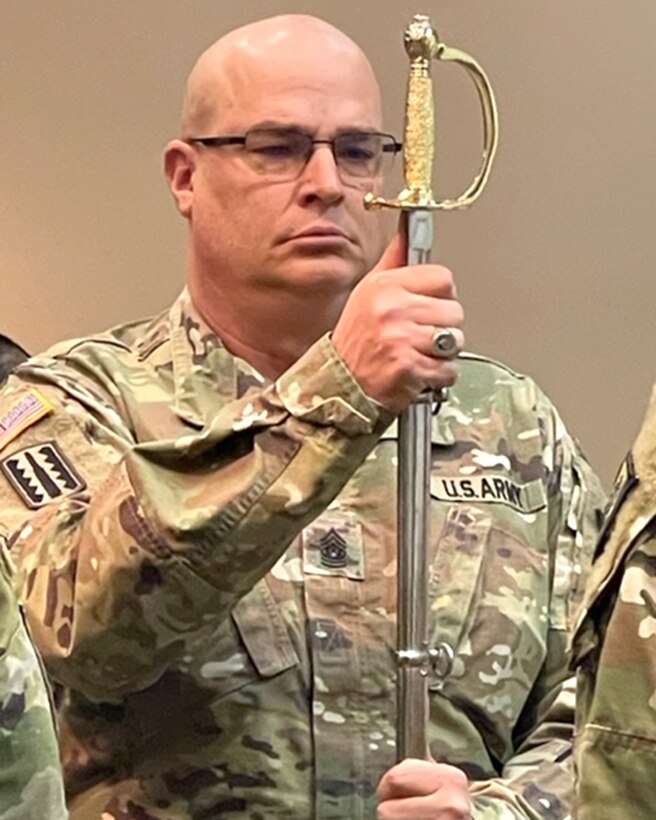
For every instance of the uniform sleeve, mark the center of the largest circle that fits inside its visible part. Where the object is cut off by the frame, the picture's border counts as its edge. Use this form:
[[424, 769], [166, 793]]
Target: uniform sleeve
[[31, 784], [615, 649], [537, 781], [160, 536]]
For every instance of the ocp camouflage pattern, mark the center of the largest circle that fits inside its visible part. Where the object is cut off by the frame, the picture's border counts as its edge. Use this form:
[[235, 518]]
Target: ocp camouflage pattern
[[31, 785], [615, 650], [218, 602]]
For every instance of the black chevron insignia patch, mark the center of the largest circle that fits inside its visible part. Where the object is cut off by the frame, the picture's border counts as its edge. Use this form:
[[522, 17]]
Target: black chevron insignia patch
[[41, 474]]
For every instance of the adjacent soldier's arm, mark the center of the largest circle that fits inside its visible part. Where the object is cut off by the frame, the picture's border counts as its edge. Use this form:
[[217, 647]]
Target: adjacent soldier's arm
[[31, 785], [614, 649], [118, 575], [537, 782]]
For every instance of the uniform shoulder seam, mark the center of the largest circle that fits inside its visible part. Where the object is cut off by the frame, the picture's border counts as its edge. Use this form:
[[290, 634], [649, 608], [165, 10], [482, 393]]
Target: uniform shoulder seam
[[478, 357]]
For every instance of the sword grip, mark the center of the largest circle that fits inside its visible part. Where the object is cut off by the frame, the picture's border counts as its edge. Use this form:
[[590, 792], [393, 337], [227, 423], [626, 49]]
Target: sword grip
[[418, 138]]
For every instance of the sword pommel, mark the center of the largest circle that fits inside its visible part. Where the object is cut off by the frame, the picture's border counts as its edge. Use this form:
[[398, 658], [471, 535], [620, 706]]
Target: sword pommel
[[421, 40]]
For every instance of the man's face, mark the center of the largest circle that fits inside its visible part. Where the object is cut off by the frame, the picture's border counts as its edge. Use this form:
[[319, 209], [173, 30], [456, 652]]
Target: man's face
[[250, 230]]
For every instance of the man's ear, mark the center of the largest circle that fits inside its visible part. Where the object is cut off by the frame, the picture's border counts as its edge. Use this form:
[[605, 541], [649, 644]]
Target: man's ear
[[179, 167]]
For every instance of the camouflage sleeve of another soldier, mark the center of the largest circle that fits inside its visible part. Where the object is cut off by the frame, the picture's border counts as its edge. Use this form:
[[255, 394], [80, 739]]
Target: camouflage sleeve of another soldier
[[615, 649], [131, 528], [537, 780], [11, 355], [30, 778]]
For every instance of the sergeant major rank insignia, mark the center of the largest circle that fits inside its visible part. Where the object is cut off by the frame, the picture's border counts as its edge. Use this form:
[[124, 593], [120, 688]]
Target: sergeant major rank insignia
[[41, 474]]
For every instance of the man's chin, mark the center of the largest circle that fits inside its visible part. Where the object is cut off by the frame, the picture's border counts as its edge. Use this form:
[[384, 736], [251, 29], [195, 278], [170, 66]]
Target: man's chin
[[329, 275]]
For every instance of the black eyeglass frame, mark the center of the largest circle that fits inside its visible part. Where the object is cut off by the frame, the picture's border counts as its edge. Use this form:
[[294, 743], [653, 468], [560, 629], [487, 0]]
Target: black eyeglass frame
[[392, 147]]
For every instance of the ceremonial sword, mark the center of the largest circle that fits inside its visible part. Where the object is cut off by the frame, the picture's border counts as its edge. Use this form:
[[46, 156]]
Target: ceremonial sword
[[415, 658]]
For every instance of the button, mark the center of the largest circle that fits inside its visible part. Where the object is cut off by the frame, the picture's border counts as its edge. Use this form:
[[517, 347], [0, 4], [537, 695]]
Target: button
[[442, 657]]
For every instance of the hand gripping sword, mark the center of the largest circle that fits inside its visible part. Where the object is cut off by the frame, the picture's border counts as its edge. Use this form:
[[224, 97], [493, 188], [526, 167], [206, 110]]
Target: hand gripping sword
[[415, 660]]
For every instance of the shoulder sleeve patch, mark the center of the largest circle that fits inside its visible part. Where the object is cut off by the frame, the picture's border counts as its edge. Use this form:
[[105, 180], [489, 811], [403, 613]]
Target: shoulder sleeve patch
[[26, 411], [41, 474]]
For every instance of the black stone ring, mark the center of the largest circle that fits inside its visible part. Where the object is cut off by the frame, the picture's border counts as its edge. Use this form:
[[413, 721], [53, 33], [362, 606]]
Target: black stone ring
[[444, 344]]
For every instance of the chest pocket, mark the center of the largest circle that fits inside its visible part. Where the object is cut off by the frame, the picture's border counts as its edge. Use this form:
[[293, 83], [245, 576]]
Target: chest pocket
[[489, 592], [455, 575], [261, 628], [253, 644]]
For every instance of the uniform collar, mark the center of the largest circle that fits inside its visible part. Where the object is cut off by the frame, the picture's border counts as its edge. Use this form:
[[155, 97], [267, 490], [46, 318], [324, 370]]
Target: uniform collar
[[205, 374], [204, 371]]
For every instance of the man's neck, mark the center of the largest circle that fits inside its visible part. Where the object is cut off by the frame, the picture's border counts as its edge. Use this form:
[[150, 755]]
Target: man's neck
[[270, 331]]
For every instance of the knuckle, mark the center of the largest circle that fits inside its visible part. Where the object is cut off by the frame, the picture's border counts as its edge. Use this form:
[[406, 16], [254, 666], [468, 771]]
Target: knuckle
[[462, 781], [448, 373], [396, 778], [380, 279], [390, 312], [452, 312], [461, 809], [446, 275], [385, 309]]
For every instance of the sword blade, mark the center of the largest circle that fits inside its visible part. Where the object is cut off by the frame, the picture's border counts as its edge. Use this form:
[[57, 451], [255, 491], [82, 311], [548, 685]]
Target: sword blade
[[412, 569]]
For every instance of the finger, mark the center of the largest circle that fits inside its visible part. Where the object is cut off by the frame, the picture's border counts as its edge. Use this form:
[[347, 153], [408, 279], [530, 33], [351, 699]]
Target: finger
[[409, 778], [428, 280], [442, 373], [403, 230], [440, 805], [394, 255], [434, 311]]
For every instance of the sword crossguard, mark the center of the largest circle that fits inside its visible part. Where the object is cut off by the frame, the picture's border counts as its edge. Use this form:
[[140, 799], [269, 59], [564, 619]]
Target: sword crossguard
[[423, 46]]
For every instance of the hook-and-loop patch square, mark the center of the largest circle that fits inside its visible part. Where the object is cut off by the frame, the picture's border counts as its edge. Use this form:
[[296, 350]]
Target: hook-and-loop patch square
[[41, 474]]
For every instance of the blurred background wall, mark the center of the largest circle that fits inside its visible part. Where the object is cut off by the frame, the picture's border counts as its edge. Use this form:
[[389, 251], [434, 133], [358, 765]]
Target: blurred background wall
[[554, 265]]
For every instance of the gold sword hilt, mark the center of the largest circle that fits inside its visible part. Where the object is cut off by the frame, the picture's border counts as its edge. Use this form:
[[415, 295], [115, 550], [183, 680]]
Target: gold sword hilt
[[423, 46]]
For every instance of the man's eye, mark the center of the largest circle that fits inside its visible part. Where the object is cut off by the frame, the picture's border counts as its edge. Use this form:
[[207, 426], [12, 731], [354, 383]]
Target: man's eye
[[274, 149], [357, 153]]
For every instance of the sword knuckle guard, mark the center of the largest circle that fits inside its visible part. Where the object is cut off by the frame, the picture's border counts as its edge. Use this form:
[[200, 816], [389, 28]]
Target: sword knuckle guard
[[423, 47]]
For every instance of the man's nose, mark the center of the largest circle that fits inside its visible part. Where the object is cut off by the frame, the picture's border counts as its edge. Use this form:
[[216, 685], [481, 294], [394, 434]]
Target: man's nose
[[320, 177]]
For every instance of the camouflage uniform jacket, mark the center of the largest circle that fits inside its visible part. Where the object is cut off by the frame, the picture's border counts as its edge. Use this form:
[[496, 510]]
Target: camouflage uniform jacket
[[615, 650], [30, 777], [209, 570], [31, 786]]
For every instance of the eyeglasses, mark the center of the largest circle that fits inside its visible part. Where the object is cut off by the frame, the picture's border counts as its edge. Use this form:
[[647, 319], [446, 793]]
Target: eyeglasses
[[284, 152]]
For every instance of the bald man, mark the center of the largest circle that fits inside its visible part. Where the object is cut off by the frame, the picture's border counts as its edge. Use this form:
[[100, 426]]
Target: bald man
[[202, 504]]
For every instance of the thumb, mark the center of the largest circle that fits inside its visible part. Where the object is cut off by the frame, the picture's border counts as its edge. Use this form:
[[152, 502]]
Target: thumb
[[395, 254]]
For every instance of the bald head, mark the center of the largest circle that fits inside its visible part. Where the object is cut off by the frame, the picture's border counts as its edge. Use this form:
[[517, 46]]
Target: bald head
[[289, 48], [263, 237]]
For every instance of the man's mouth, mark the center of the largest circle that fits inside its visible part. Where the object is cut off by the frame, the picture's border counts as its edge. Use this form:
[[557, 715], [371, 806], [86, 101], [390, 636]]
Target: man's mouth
[[319, 232]]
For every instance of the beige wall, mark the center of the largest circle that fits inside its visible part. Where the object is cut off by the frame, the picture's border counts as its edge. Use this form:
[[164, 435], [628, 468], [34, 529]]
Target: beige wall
[[554, 265]]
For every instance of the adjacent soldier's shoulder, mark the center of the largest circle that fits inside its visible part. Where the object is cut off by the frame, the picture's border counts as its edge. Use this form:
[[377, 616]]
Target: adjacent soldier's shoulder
[[478, 366]]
